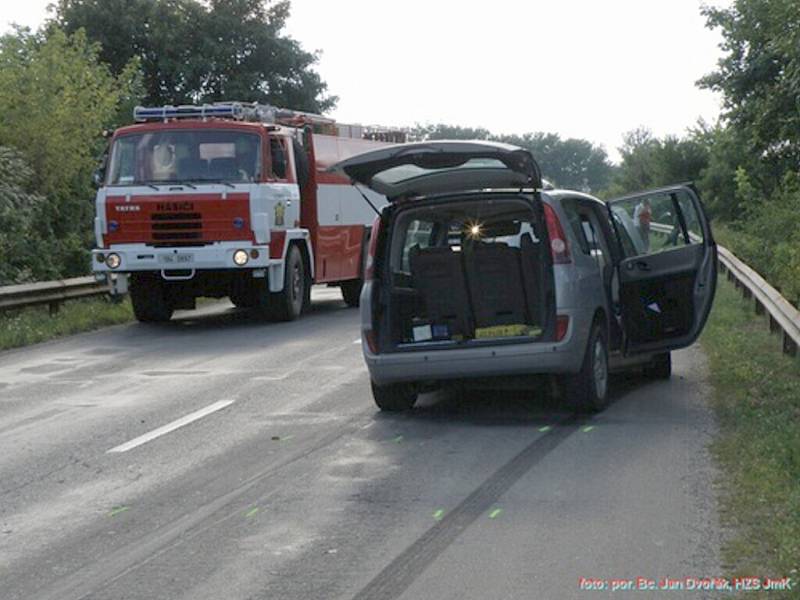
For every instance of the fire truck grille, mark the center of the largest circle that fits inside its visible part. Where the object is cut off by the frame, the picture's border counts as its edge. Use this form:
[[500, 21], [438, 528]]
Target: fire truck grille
[[176, 228]]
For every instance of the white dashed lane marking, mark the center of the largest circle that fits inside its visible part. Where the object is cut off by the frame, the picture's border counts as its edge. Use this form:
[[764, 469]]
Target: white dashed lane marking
[[169, 427]]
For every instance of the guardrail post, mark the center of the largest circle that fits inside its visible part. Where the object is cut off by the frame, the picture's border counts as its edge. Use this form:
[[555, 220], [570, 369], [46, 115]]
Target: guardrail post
[[759, 308], [52, 308], [789, 347], [773, 325]]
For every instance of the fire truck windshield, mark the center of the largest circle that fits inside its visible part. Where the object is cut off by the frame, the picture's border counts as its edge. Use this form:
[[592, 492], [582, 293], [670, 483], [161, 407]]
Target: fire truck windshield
[[174, 156]]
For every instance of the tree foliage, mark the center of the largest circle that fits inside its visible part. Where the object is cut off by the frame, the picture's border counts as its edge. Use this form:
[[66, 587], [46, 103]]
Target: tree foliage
[[192, 52], [56, 99], [572, 163], [18, 206], [759, 77], [649, 162]]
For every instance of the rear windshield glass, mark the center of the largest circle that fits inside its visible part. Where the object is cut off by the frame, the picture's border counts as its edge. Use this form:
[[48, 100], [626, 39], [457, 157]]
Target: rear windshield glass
[[407, 172], [177, 156]]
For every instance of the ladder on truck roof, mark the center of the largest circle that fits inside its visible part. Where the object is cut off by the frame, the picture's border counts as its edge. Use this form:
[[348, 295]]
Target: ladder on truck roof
[[265, 113]]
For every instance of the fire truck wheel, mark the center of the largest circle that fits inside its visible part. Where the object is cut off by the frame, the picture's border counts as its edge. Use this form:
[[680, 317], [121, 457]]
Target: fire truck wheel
[[149, 300], [288, 304], [351, 291]]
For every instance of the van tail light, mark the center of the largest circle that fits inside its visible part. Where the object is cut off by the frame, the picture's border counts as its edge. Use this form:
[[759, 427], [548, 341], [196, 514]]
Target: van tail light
[[562, 324], [372, 340], [369, 268], [559, 246]]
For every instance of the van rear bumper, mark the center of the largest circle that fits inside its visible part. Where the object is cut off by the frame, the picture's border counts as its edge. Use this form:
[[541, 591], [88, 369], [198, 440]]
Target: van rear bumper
[[525, 358]]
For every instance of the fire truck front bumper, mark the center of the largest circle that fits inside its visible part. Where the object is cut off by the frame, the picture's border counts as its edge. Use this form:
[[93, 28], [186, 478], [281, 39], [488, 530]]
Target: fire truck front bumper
[[131, 258]]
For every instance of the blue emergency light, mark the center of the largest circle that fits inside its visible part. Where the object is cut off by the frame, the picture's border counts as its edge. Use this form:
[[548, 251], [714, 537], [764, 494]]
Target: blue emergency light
[[162, 113]]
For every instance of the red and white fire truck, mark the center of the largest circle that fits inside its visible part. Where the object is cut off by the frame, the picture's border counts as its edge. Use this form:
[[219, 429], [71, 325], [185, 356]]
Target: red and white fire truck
[[232, 199]]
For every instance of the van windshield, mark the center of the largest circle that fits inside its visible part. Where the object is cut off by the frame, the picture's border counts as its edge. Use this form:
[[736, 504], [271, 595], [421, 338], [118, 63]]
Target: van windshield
[[174, 156]]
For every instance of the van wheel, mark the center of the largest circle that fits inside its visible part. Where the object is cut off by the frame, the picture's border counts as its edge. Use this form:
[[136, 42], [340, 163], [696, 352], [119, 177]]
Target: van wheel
[[287, 304], [351, 291], [587, 390], [394, 397], [149, 299], [660, 367]]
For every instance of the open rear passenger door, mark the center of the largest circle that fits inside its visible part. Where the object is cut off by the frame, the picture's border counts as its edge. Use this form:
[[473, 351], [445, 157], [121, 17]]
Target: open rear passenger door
[[667, 270]]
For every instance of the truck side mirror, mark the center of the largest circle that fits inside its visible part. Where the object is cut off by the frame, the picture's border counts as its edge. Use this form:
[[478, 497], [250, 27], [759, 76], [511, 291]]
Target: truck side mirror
[[98, 177]]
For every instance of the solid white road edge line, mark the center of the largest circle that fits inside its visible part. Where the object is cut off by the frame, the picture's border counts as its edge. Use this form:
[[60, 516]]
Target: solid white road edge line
[[191, 417]]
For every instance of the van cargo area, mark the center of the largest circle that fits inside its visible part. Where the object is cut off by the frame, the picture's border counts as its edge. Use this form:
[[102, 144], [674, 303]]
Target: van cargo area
[[465, 272]]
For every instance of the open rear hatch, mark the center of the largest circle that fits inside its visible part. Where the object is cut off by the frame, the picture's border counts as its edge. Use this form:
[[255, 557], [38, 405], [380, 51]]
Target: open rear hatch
[[460, 264]]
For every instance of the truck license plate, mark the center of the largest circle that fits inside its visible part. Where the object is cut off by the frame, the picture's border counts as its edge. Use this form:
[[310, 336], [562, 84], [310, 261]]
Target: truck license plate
[[176, 259]]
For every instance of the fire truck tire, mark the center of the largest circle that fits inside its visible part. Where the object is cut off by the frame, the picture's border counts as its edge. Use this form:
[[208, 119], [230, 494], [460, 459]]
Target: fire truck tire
[[351, 291], [149, 300], [287, 304]]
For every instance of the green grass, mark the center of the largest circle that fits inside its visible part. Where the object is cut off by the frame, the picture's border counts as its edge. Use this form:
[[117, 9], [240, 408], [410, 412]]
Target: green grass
[[757, 402], [32, 325]]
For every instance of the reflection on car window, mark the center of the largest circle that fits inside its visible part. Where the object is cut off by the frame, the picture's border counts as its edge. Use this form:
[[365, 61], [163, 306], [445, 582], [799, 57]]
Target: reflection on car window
[[418, 234], [570, 207], [657, 222]]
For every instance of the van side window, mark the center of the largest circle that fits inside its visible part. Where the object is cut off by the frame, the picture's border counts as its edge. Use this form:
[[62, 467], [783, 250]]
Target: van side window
[[657, 222], [278, 154], [575, 220], [418, 234]]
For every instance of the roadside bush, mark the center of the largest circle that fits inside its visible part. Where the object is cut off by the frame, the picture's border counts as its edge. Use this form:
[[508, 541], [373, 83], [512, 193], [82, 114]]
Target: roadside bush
[[56, 98]]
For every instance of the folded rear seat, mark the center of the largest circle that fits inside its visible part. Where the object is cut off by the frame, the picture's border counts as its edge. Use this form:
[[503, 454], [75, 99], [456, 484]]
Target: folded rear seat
[[438, 276], [495, 284]]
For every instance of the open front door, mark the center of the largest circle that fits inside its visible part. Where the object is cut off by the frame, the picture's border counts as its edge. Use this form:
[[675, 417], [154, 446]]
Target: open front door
[[668, 268]]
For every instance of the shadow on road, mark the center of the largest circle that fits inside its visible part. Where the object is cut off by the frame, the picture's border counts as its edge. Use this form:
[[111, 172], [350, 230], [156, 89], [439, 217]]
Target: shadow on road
[[536, 406]]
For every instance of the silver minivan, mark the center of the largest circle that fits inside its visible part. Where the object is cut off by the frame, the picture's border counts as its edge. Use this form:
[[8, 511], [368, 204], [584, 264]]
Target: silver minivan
[[476, 271]]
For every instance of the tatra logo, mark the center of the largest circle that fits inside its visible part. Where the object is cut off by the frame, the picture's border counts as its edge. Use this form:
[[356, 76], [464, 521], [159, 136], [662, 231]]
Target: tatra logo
[[127, 208], [173, 206]]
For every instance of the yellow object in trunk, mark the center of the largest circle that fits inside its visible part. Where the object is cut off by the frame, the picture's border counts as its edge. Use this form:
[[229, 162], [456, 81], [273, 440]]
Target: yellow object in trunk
[[507, 331]]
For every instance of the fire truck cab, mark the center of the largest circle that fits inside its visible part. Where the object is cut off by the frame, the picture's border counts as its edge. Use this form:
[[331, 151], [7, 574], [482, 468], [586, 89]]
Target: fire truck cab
[[232, 200]]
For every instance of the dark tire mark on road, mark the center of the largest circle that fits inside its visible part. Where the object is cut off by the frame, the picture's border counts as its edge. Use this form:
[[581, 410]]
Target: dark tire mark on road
[[398, 575]]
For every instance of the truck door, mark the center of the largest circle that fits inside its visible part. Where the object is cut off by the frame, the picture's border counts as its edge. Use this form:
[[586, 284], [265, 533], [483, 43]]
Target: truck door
[[667, 270]]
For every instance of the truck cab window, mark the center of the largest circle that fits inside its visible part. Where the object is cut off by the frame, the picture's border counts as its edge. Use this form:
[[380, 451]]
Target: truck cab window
[[278, 154]]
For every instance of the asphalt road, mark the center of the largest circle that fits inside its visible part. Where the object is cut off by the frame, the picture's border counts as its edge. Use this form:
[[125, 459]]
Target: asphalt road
[[222, 458]]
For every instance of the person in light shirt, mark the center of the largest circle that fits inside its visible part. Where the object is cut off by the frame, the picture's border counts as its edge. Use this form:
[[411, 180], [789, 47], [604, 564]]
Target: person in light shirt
[[642, 215]]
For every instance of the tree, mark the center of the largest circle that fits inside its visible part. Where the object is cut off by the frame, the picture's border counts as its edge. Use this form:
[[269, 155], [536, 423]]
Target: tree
[[18, 206], [759, 78], [649, 162], [193, 52], [56, 99], [573, 163]]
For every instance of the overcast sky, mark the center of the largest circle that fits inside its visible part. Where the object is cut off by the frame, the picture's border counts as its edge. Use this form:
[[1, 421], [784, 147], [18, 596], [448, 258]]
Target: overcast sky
[[581, 68]]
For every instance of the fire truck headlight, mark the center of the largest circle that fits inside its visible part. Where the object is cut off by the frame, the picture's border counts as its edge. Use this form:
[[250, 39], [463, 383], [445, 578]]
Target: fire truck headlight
[[240, 257], [113, 260]]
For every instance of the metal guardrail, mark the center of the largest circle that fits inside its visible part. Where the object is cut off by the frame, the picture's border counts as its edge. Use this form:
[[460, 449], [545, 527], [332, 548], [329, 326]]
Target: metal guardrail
[[783, 317], [52, 293]]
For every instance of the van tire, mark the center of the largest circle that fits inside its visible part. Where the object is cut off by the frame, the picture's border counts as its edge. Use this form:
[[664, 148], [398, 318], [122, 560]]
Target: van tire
[[149, 299], [394, 397], [660, 367], [287, 304], [351, 292], [587, 390]]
